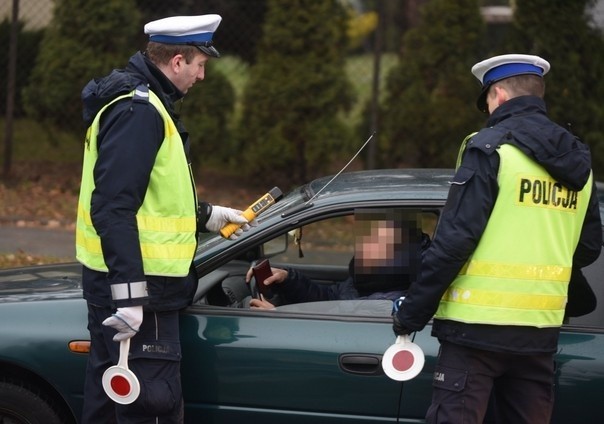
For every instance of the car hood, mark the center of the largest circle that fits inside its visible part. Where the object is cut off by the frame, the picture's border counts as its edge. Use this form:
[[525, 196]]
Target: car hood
[[60, 281]]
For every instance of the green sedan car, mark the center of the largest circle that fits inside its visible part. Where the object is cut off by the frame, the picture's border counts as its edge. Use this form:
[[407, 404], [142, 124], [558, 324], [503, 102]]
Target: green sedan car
[[314, 362]]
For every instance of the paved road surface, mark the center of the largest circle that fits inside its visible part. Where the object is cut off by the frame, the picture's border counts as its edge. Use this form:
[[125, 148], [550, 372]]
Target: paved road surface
[[60, 243], [57, 243]]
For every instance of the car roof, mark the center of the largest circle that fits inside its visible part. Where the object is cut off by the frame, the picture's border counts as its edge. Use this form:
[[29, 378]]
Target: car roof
[[364, 188], [401, 183]]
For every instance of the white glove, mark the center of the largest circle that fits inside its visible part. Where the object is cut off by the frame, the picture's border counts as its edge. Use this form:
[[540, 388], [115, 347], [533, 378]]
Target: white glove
[[244, 227], [126, 321], [221, 216]]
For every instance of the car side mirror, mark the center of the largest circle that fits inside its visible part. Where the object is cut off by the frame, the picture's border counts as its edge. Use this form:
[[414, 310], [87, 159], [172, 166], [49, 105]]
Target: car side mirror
[[275, 246]]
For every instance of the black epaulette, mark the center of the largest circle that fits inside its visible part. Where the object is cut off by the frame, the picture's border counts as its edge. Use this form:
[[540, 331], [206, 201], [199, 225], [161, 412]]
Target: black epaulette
[[489, 139], [141, 94]]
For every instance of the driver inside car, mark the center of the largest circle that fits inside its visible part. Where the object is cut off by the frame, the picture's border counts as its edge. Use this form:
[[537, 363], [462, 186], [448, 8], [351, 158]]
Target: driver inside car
[[388, 246]]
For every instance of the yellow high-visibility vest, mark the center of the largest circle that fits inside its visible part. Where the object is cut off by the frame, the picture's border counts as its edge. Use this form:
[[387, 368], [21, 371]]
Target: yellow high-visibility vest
[[520, 270], [167, 219]]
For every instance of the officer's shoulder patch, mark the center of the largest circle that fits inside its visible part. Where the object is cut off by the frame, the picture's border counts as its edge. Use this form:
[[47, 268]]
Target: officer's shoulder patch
[[462, 176], [141, 94], [488, 139]]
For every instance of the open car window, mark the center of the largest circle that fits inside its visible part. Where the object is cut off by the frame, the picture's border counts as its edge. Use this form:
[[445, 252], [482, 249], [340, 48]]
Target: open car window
[[321, 250], [328, 242]]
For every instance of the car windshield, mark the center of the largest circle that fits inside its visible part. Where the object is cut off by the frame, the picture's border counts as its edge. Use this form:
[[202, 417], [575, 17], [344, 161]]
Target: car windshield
[[208, 241]]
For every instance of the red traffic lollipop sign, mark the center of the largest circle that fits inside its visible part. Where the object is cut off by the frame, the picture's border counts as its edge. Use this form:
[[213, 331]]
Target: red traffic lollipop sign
[[403, 360], [120, 384]]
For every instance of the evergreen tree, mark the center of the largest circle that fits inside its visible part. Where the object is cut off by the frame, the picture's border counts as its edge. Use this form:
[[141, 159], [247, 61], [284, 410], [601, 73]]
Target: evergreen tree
[[561, 32], [76, 47], [291, 128], [206, 110], [431, 93]]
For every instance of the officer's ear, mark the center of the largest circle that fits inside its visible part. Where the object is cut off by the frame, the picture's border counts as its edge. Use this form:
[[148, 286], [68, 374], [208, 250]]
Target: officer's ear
[[177, 62], [501, 93], [496, 96]]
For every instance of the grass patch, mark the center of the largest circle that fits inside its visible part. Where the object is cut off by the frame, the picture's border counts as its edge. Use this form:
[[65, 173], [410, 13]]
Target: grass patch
[[36, 142], [19, 259], [236, 70]]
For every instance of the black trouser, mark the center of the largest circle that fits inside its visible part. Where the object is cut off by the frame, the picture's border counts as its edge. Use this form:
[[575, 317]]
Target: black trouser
[[155, 360], [522, 385]]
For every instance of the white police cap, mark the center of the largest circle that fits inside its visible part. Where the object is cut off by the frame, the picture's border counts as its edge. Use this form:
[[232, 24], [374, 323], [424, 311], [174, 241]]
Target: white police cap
[[190, 30], [498, 68]]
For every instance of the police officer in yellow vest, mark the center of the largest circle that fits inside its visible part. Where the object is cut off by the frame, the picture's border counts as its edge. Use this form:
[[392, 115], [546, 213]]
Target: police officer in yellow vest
[[138, 218], [522, 212]]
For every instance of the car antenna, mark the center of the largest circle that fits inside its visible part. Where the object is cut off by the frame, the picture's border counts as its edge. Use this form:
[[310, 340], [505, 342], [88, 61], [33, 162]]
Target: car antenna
[[309, 203]]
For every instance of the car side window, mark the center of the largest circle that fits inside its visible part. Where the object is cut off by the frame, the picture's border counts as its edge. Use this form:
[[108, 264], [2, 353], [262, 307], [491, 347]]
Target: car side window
[[322, 252], [327, 242], [331, 241]]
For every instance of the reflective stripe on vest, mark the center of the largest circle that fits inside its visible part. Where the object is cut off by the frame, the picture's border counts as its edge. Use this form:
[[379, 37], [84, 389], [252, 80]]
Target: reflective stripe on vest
[[519, 272], [167, 218]]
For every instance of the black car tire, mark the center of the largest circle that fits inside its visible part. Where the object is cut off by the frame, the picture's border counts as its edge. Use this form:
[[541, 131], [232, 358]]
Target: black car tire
[[21, 405]]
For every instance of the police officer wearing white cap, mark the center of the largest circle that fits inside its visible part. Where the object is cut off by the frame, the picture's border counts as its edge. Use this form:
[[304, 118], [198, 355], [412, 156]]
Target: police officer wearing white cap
[[138, 218], [521, 220]]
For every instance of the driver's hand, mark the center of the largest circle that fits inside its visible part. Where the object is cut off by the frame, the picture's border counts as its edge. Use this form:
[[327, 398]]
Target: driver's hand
[[278, 277], [261, 303]]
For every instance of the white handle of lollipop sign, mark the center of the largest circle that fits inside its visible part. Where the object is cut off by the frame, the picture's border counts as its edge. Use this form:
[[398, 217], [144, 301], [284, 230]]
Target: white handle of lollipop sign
[[120, 384]]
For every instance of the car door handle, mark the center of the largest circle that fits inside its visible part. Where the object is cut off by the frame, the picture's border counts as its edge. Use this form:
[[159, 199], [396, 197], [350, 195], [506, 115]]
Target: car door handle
[[362, 364]]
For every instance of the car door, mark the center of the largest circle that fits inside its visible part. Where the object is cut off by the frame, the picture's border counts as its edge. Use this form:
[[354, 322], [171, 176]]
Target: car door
[[303, 363], [295, 367], [579, 362]]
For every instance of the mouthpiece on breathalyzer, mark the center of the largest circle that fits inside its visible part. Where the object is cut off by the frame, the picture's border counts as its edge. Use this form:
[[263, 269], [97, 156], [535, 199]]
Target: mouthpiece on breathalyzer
[[255, 209]]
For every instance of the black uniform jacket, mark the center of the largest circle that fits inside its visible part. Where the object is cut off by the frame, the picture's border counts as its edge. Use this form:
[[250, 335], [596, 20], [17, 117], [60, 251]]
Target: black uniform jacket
[[130, 135], [298, 288], [523, 122]]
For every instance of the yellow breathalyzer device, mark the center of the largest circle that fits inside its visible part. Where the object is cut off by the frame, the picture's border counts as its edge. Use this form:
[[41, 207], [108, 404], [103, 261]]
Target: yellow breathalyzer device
[[254, 210]]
